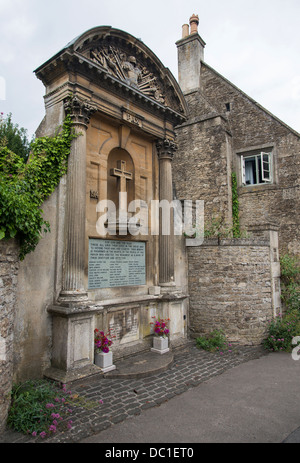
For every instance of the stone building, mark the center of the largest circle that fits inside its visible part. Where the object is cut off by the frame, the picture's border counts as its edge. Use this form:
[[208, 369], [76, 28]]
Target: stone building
[[228, 132], [147, 138]]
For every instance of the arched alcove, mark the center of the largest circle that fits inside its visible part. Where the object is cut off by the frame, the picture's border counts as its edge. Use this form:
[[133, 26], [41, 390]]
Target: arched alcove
[[120, 168]]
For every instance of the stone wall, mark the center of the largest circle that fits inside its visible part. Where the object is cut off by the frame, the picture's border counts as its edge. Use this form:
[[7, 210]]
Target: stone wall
[[202, 164], [37, 286], [231, 287], [224, 124], [253, 127], [9, 266]]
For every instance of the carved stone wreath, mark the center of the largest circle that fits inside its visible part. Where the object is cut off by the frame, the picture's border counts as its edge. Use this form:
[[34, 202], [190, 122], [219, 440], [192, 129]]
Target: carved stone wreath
[[125, 67]]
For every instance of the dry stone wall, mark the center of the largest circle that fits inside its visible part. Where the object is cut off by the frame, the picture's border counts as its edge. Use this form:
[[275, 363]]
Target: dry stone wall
[[9, 266], [230, 288]]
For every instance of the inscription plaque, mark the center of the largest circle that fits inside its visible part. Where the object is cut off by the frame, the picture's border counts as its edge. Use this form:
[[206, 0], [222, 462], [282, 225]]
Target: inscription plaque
[[116, 263], [124, 325]]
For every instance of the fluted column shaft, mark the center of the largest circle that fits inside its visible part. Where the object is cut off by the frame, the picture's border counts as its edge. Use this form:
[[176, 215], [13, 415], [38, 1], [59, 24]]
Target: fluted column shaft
[[166, 150], [75, 211]]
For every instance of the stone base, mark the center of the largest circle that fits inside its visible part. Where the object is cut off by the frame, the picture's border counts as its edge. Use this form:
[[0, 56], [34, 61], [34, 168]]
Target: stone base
[[73, 296], [168, 288], [110, 368], [154, 290], [104, 361], [160, 351], [141, 365], [66, 377]]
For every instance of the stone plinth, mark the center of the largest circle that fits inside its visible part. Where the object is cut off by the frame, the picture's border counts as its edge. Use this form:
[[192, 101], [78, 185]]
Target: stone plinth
[[73, 339]]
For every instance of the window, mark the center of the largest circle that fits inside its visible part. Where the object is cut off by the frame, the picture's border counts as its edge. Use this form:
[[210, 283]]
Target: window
[[227, 106], [257, 169]]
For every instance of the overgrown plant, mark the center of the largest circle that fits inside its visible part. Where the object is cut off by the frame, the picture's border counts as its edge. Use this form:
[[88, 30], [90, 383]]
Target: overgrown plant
[[214, 342], [216, 229], [236, 231], [290, 282], [281, 332], [283, 329], [39, 408], [42, 408], [24, 186]]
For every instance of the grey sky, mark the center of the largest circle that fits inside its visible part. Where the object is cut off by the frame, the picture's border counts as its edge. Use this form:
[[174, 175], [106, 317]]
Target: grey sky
[[253, 43]]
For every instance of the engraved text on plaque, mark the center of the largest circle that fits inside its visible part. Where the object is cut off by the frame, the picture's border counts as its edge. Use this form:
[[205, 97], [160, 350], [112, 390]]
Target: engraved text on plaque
[[116, 263]]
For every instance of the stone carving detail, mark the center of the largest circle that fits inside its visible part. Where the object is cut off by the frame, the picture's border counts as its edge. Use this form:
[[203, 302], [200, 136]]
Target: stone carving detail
[[80, 110], [166, 148], [125, 67]]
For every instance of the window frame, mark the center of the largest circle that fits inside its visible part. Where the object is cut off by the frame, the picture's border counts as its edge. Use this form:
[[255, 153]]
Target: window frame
[[263, 167]]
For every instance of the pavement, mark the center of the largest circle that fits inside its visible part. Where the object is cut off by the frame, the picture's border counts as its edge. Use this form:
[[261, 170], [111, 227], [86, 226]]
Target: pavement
[[186, 396]]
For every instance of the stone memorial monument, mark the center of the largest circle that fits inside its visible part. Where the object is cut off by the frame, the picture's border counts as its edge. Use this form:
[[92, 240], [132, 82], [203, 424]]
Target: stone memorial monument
[[117, 254], [114, 268]]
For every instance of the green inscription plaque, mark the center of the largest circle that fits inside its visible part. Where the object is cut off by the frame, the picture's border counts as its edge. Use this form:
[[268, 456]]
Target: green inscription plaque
[[116, 263]]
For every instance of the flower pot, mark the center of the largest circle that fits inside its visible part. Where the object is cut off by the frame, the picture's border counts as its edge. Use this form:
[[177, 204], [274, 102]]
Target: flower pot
[[160, 345], [104, 360]]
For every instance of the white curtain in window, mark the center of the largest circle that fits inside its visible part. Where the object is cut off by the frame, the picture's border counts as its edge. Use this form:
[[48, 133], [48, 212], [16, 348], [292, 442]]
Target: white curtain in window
[[249, 177]]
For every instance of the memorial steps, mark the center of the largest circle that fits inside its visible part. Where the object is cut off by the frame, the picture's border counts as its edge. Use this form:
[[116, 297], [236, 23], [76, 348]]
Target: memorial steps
[[141, 365]]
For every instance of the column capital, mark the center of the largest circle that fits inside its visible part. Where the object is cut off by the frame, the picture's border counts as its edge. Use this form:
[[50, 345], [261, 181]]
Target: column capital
[[80, 110], [166, 148]]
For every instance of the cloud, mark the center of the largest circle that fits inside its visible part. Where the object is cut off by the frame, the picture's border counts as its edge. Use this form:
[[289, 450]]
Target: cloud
[[2, 88], [17, 28], [253, 43]]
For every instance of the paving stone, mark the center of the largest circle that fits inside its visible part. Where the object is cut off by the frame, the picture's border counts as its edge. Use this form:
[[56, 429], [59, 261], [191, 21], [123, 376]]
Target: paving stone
[[119, 418], [127, 397], [134, 411]]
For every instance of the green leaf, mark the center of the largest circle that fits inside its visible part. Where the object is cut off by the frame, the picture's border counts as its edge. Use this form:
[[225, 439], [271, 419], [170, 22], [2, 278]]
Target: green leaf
[[25, 186]]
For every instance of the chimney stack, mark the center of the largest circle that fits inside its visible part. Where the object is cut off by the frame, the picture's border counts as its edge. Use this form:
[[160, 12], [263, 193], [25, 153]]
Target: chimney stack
[[185, 31], [190, 54], [194, 22]]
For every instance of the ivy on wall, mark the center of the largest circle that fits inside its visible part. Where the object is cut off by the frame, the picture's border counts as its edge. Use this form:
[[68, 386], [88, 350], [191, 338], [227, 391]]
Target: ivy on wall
[[24, 186], [236, 231]]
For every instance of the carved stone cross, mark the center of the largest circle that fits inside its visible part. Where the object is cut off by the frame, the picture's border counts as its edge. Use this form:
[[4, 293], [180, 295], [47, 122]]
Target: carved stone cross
[[121, 173]]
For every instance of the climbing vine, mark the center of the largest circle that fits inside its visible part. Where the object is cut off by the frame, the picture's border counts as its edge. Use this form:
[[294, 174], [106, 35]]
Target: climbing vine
[[236, 231], [24, 186]]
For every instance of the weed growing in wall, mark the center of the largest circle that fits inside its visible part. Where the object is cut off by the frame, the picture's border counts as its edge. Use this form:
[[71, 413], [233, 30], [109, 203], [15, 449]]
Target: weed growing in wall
[[217, 229], [290, 282], [236, 232]]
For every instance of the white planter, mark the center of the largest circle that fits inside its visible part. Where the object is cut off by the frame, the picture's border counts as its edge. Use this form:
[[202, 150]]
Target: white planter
[[160, 345], [104, 360]]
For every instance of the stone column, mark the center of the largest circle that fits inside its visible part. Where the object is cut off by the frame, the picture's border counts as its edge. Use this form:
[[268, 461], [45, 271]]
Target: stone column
[[74, 252], [166, 150]]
